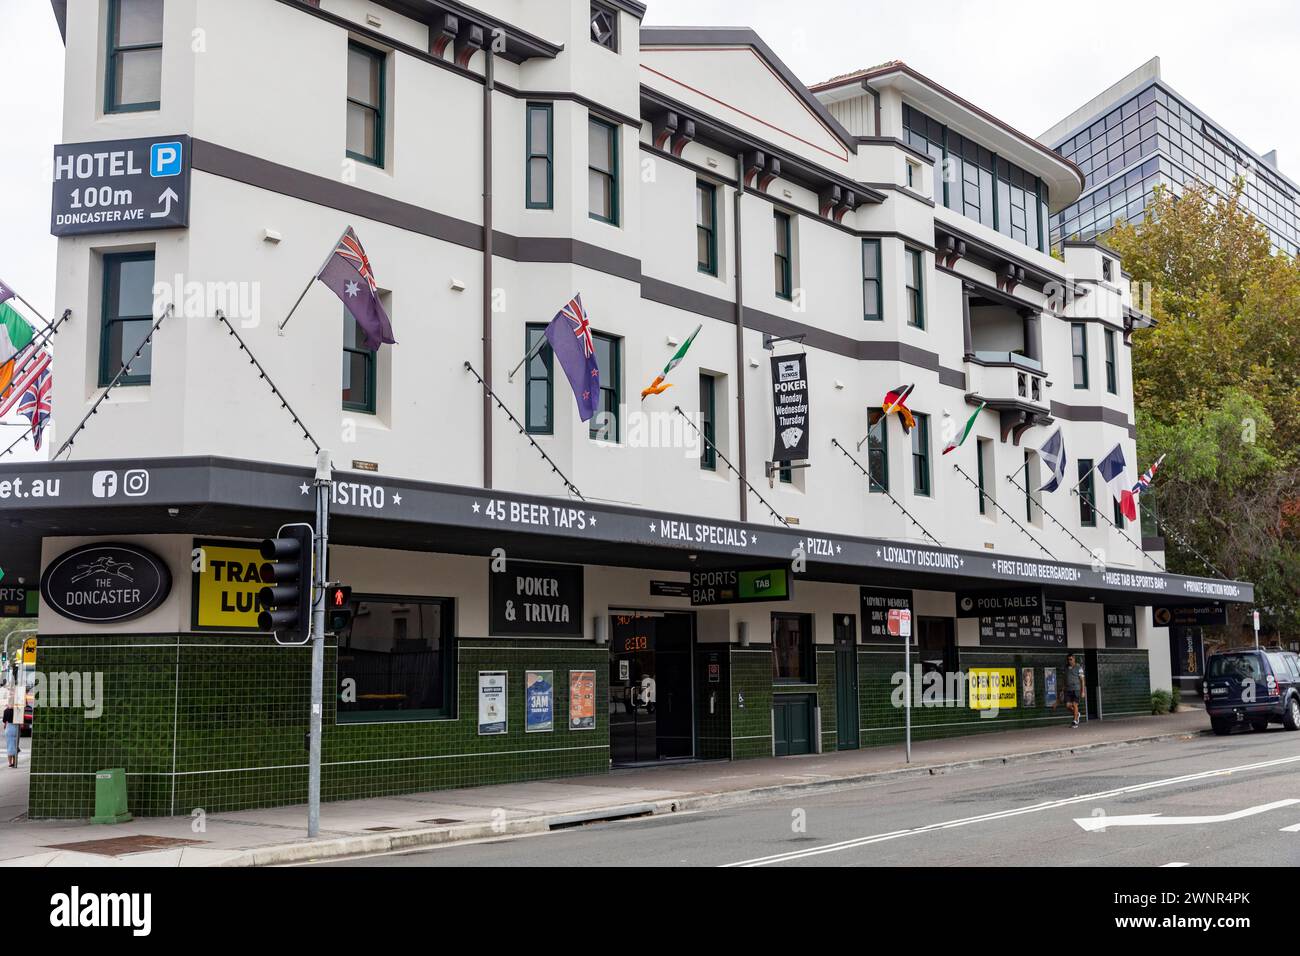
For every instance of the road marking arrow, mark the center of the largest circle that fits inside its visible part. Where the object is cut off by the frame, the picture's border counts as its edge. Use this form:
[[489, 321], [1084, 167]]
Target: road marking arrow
[[168, 197], [1093, 824]]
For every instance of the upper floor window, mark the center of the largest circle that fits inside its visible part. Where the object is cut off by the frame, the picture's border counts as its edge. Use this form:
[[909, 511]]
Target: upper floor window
[[134, 67], [706, 231], [782, 260], [358, 369], [604, 424], [872, 306], [877, 451], [540, 174], [1112, 378], [708, 421], [915, 288], [1087, 495], [365, 104], [538, 388], [604, 26], [921, 455], [126, 318], [602, 171], [1107, 269], [1079, 351]]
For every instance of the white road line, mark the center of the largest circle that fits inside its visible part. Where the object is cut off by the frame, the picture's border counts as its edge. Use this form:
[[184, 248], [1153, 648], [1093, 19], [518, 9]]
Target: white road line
[[1293, 828], [1102, 822], [1167, 865], [1004, 814]]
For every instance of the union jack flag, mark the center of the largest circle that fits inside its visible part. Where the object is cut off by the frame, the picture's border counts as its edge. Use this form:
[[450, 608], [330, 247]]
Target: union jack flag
[[349, 248], [1145, 481], [576, 314], [35, 406], [29, 365]]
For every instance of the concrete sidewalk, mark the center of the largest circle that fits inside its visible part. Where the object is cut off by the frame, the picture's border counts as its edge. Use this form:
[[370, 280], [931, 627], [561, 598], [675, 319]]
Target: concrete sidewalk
[[267, 837]]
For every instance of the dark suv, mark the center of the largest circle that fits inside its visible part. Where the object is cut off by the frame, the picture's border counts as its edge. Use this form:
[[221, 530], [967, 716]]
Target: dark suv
[[1254, 686]]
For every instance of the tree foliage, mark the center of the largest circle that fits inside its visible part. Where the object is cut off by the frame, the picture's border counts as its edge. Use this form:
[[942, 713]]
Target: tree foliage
[[1217, 389]]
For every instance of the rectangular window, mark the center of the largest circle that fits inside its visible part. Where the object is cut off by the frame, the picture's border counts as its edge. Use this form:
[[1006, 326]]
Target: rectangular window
[[126, 317], [365, 104], [1112, 381], [602, 171], [915, 288], [706, 232], [872, 304], [1079, 349], [921, 455], [792, 649], [538, 388], [1087, 495], [1117, 514], [1107, 269], [540, 173], [358, 369], [134, 63], [784, 274], [604, 424], [877, 450], [708, 421], [1031, 480], [981, 450], [401, 654]]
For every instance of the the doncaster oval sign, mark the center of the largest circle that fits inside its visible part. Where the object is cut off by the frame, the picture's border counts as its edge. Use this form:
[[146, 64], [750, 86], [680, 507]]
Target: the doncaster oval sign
[[105, 583]]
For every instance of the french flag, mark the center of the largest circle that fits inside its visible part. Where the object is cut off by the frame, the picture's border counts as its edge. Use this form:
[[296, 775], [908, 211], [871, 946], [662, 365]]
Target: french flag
[[1112, 472]]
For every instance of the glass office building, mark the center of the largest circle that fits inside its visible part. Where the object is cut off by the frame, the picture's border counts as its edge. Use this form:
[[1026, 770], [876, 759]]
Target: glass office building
[[1140, 133]]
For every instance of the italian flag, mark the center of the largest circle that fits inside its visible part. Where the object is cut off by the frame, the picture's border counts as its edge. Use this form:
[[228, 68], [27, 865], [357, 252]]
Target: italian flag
[[658, 386], [15, 335], [970, 424]]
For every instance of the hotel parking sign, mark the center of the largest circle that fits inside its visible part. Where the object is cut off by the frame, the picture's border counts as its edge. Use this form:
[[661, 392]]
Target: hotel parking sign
[[121, 185]]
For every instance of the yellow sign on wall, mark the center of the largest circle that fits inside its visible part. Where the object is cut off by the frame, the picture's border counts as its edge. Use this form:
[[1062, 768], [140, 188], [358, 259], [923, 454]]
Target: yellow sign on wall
[[227, 576], [992, 688]]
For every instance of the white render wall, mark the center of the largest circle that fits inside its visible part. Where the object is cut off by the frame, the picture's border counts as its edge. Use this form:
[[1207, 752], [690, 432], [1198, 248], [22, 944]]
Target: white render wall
[[269, 82]]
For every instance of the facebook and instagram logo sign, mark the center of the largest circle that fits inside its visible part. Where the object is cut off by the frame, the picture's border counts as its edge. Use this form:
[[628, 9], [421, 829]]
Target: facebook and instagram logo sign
[[134, 483]]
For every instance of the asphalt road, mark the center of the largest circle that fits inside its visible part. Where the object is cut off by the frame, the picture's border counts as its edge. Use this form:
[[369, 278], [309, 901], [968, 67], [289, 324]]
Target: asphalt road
[[1231, 801]]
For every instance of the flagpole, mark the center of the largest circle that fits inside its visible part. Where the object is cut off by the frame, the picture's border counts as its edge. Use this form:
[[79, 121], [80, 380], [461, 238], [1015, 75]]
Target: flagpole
[[307, 288], [537, 347], [35, 311]]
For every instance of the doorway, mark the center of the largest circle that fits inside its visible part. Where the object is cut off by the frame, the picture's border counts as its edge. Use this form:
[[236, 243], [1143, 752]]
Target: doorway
[[651, 714], [846, 681]]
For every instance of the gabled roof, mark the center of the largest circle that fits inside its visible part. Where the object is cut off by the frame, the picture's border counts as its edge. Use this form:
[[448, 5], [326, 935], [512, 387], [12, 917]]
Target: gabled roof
[[743, 36]]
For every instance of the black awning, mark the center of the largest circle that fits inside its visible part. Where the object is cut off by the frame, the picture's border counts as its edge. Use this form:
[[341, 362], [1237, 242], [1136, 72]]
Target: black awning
[[250, 499]]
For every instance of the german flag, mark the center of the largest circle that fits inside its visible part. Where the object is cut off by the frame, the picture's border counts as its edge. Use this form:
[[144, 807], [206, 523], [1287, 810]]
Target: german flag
[[895, 400]]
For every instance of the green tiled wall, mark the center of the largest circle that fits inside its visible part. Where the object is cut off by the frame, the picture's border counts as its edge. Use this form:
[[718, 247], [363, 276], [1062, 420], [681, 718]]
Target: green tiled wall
[[751, 723], [1125, 681], [826, 699], [219, 722]]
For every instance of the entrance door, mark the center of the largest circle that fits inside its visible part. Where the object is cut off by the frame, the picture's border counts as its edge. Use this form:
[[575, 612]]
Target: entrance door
[[792, 723], [650, 692], [846, 681], [1094, 686]]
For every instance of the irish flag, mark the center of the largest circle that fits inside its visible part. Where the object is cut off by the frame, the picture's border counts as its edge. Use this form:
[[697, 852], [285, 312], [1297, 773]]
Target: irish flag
[[15, 335], [658, 386], [970, 424]]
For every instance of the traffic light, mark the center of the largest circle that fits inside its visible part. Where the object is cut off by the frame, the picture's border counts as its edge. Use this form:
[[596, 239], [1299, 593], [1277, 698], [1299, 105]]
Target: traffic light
[[338, 609], [286, 602]]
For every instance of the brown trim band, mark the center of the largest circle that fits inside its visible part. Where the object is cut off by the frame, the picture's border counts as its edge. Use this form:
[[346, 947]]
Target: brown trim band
[[1093, 413]]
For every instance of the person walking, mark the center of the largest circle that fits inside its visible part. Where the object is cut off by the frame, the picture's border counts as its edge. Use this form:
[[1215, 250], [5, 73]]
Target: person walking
[[11, 736], [1075, 687]]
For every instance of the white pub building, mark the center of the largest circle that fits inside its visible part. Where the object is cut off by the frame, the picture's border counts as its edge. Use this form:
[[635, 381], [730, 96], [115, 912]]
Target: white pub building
[[683, 576]]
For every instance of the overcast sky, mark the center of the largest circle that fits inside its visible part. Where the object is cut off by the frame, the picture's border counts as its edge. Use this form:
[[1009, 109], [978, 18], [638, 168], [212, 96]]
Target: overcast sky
[[1029, 62]]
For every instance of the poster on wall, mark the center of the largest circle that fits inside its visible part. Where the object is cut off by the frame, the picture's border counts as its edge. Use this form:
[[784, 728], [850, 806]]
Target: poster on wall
[[876, 604], [1028, 693], [226, 576], [491, 703], [992, 688], [790, 407], [539, 702], [534, 599], [1121, 626], [582, 700], [1049, 686]]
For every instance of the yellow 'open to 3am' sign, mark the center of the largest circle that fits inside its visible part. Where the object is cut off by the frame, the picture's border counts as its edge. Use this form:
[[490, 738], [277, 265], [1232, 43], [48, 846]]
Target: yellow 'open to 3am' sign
[[227, 576], [992, 687]]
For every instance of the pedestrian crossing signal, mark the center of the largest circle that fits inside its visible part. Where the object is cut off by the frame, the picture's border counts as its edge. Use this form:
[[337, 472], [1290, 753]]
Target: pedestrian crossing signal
[[338, 609]]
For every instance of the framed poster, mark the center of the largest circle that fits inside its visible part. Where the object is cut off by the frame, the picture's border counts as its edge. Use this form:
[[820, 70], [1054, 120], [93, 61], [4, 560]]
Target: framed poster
[[539, 702], [492, 703], [1049, 686], [1028, 694], [582, 700]]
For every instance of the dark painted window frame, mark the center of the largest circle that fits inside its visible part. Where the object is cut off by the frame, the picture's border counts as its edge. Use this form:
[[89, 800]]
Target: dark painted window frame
[[110, 62], [1087, 494], [530, 154], [922, 479], [611, 382], [874, 416], [1112, 355], [614, 182], [709, 420], [711, 191], [367, 404], [108, 316], [1082, 329], [783, 221], [378, 108], [807, 649], [871, 253], [914, 284], [547, 357]]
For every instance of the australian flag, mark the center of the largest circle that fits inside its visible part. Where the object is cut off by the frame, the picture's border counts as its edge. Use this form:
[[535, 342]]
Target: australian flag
[[570, 336], [348, 275]]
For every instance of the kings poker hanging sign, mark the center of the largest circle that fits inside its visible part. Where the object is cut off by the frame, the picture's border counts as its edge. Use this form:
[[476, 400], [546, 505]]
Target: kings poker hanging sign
[[790, 407]]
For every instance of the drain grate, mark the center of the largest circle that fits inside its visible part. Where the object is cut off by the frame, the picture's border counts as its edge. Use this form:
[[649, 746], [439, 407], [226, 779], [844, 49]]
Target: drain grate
[[442, 820], [379, 829], [119, 846]]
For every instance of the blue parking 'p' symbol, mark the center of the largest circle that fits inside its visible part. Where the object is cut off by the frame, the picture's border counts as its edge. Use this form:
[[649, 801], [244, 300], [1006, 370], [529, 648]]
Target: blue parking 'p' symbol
[[165, 159]]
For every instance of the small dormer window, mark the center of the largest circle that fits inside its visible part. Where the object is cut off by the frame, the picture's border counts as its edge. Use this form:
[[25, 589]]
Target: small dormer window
[[604, 26], [1107, 269]]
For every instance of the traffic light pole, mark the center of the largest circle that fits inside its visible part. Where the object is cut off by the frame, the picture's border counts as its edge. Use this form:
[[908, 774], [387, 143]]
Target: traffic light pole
[[324, 487]]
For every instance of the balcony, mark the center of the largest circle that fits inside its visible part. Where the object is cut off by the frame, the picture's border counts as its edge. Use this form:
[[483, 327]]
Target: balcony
[[1013, 385]]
